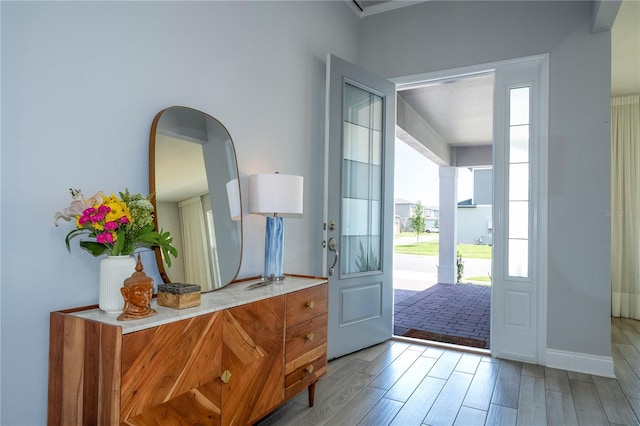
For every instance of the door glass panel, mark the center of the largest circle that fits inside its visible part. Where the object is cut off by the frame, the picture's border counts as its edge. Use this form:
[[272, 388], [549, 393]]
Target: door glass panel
[[355, 181], [519, 185], [519, 219], [361, 181], [376, 149], [357, 106], [519, 147], [356, 142], [353, 212], [519, 106], [519, 182]]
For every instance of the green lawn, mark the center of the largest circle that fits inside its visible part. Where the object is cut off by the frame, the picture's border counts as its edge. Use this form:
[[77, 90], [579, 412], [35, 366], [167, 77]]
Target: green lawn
[[481, 279], [467, 251]]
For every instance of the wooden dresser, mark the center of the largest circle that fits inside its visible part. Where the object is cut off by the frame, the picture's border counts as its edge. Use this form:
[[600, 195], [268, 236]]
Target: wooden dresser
[[229, 361]]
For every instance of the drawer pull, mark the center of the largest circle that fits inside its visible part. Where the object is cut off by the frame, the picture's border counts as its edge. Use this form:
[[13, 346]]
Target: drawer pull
[[311, 337], [226, 375], [309, 369], [311, 304]]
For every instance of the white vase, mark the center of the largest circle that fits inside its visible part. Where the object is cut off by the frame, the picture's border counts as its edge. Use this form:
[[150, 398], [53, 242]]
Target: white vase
[[113, 271]]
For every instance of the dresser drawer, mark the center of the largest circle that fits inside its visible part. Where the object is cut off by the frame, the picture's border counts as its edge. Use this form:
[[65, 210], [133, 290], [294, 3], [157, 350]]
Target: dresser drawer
[[304, 337], [306, 304], [304, 372]]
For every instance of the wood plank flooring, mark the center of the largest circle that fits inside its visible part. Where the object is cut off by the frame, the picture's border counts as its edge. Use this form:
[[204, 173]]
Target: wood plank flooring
[[404, 383]]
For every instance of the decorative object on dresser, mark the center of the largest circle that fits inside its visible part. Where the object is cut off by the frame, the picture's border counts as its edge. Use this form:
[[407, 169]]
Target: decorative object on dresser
[[232, 360], [116, 226], [114, 270], [193, 175], [273, 195], [178, 295], [137, 293]]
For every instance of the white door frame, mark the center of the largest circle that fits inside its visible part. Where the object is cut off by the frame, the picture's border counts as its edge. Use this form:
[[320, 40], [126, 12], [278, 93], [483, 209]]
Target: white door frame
[[540, 173]]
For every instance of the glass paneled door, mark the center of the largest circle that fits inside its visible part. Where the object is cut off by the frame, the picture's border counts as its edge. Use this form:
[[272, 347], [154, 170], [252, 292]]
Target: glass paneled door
[[518, 326], [361, 180], [359, 207]]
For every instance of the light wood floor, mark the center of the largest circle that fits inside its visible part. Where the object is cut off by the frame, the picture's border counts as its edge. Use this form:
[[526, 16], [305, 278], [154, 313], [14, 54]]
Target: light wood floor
[[401, 383]]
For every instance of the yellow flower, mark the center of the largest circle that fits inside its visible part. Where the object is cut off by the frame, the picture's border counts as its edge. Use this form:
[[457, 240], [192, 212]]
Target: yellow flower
[[118, 210]]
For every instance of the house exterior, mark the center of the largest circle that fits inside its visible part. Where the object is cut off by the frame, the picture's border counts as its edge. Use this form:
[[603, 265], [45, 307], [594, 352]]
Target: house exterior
[[82, 81], [475, 221], [405, 211]]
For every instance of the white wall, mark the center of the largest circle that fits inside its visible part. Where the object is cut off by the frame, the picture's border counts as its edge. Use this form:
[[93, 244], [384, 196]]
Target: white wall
[[436, 36], [81, 83], [473, 223]]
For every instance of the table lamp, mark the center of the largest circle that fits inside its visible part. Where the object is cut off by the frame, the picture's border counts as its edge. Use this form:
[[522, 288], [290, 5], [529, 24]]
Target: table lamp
[[274, 195]]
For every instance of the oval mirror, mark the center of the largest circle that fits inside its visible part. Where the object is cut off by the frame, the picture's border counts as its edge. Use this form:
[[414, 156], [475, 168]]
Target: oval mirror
[[193, 179]]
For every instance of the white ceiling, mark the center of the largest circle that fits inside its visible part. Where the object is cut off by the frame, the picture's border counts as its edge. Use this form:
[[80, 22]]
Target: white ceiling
[[460, 111]]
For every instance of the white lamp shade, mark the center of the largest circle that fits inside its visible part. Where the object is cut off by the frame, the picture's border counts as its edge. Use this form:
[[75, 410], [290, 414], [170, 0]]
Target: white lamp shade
[[275, 194], [233, 195]]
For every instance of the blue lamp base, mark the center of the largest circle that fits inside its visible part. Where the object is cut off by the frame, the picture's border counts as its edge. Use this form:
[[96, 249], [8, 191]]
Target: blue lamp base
[[274, 248]]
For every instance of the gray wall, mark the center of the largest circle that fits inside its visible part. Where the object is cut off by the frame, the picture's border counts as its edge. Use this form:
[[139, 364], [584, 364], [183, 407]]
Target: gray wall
[[483, 186], [435, 36], [81, 83]]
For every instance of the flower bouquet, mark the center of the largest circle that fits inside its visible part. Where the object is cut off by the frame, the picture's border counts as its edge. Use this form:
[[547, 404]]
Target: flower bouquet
[[116, 225]]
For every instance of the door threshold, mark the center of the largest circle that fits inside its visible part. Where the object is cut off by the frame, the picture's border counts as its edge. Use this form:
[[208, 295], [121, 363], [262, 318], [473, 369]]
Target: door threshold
[[441, 345]]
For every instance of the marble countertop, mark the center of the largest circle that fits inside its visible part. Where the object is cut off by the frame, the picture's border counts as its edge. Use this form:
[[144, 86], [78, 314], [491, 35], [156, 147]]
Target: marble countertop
[[228, 297]]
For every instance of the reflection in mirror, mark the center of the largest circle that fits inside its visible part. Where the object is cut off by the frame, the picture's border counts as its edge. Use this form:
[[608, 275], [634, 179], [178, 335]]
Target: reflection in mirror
[[194, 175]]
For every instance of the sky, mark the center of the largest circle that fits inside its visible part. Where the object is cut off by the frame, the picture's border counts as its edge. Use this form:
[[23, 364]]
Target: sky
[[416, 178]]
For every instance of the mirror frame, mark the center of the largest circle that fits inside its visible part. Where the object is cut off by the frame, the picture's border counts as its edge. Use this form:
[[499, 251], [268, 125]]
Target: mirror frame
[[152, 191]]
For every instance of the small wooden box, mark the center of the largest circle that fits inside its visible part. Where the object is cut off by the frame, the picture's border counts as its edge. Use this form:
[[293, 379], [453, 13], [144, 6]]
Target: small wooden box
[[178, 295]]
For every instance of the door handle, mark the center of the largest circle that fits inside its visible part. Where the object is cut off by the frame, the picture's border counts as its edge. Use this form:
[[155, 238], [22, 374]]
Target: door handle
[[333, 246]]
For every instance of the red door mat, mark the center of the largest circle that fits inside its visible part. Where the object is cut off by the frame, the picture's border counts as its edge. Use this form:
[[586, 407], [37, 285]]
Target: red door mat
[[445, 338]]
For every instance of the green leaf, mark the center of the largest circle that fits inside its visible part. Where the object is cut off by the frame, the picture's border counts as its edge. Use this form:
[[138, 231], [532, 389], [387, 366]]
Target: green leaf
[[166, 256], [94, 248], [71, 235], [116, 250]]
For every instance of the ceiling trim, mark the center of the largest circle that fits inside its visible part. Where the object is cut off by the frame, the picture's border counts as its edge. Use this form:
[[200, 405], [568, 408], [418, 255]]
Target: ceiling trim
[[381, 7], [604, 14]]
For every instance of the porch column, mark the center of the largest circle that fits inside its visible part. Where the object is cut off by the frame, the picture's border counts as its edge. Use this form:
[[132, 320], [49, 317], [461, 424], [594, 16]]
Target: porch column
[[447, 270]]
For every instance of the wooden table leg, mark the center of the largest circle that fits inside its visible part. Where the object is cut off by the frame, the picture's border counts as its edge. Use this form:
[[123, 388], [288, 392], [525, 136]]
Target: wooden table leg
[[312, 393]]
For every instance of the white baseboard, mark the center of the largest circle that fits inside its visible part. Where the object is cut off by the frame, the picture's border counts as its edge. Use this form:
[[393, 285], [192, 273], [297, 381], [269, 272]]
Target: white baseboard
[[580, 363]]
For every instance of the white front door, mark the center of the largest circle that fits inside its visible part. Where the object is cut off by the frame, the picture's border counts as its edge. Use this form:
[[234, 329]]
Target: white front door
[[518, 310], [360, 127]]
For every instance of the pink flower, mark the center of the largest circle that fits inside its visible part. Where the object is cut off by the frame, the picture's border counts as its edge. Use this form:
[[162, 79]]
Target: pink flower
[[104, 209], [110, 226], [124, 219], [83, 219], [104, 238], [78, 205], [97, 217]]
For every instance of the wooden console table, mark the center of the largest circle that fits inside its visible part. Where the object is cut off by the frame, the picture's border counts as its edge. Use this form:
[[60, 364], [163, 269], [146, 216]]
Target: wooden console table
[[229, 361]]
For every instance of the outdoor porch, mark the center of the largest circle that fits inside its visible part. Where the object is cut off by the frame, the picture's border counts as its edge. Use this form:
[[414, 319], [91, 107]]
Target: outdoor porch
[[450, 313]]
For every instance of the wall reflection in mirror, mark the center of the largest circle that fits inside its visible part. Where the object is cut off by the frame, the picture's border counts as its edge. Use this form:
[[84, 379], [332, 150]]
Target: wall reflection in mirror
[[194, 176]]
